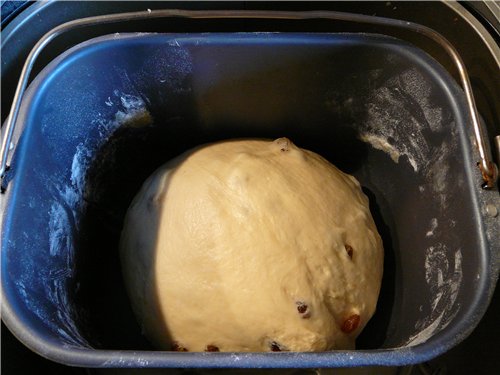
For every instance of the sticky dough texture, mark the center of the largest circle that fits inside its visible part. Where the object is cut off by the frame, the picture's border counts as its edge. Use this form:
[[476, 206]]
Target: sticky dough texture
[[223, 244]]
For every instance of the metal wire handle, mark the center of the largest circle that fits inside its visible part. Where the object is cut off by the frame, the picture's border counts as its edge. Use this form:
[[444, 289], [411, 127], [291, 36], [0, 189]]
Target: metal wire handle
[[488, 168]]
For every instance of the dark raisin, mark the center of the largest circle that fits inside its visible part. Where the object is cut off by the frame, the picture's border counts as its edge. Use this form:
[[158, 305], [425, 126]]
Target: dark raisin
[[178, 348], [349, 250], [351, 323], [303, 309], [212, 348], [275, 347]]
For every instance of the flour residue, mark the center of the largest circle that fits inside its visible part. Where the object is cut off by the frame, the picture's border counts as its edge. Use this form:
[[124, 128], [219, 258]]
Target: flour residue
[[433, 227], [437, 172], [79, 165], [399, 113], [74, 128], [403, 122], [444, 281], [174, 42], [131, 111], [381, 144], [64, 212], [414, 83], [58, 228], [170, 66]]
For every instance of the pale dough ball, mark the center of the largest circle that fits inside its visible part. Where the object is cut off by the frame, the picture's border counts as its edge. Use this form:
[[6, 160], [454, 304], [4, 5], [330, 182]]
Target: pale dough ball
[[251, 245]]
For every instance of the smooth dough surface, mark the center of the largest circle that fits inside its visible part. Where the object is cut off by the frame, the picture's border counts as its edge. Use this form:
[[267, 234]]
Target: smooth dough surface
[[251, 245]]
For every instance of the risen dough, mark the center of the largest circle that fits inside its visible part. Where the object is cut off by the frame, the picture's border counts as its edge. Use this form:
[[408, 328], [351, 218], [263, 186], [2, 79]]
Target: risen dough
[[251, 245]]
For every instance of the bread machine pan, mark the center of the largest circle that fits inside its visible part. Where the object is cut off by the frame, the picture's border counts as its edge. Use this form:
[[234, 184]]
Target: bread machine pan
[[106, 113]]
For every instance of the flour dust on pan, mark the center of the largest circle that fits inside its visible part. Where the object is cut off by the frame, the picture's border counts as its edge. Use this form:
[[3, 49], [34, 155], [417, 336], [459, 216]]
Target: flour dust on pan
[[394, 126], [119, 121], [403, 122], [433, 227], [65, 212], [444, 280]]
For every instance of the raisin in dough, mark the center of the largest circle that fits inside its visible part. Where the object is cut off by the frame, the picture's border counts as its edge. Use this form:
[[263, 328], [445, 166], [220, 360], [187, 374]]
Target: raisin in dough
[[251, 245]]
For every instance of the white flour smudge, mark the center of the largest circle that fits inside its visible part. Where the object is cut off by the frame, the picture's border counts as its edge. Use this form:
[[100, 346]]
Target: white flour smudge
[[398, 115], [437, 173], [132, 113], [79, 165], [58, 229], [132, 103], [68, 204], [381, 144], [413, 82], [434, 225], [171, 65], [400, 121], [444, 282], [174, 42]]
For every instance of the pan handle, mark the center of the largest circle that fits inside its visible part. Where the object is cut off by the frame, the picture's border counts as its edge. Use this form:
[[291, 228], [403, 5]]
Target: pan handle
[[486, 165]]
